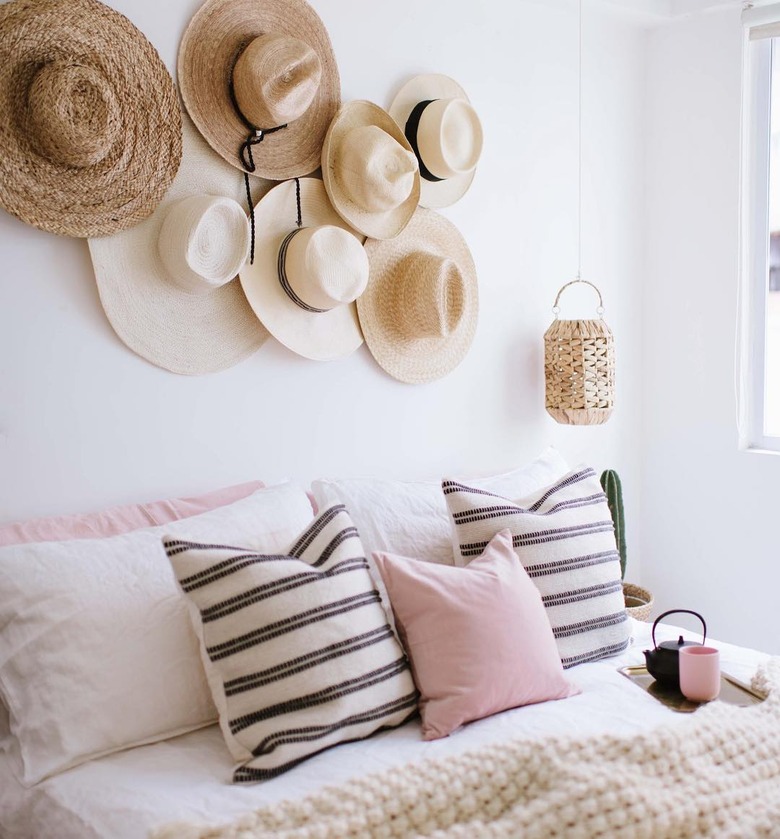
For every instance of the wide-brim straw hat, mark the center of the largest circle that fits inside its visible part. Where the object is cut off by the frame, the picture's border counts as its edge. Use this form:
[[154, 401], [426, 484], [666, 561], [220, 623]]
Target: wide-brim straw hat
[[160, 321], [370, 171], [431, 87], [320, 336], [419, 311], [90, 122], [208, 51]]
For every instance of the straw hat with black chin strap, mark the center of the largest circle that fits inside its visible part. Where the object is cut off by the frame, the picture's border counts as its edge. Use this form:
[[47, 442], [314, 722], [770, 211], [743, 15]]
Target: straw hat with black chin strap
[[168, 286], [261, 83], [445, 132], [310, 267], [90, 123]]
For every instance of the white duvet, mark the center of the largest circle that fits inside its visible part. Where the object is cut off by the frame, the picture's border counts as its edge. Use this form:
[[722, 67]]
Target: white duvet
[[187, 778]]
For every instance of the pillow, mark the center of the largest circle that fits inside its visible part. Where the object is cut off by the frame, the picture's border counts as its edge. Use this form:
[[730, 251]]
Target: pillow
[[124, 519], [564, 537], [298, 650], [96, 649], [109, 523], [410, 517], [478, 637]]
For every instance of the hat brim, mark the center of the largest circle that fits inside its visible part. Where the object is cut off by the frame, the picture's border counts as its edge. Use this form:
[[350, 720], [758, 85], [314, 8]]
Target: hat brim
[[130, 181], [184, 333], [433, 194], [377, 225], [320, 336], [207, 53], [416, 360]]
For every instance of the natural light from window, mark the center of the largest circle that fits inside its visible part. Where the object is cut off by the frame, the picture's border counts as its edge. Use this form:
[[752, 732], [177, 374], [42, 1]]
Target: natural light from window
[[772, 349]]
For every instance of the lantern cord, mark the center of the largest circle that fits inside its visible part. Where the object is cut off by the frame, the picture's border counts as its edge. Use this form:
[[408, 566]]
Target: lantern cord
[[579, 151]]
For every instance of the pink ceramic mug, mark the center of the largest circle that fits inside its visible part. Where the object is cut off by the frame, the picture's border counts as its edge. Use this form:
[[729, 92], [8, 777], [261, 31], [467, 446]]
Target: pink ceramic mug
[[699, 673]]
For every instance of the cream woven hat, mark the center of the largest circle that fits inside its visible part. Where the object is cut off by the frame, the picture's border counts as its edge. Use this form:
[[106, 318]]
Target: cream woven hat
[[419, 311], [306, 276], [445, 132], [90, 123], [168, 285], [370, 171], [260, 81]]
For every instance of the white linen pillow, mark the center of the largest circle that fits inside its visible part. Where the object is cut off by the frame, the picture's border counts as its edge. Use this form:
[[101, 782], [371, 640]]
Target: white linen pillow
[[410, 517], [97, 652], [297, 648]]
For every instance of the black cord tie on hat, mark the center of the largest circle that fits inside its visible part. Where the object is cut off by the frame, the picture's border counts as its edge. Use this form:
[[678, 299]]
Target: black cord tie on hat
[[285, 283], [248, 161], [410, 130]]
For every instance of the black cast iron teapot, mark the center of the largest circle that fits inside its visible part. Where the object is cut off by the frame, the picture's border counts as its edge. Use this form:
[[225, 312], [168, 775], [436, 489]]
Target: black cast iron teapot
[[663, 662]]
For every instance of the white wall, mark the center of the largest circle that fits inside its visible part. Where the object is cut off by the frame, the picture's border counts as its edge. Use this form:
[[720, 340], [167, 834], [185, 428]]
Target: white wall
[[710, 512], [85, 423]]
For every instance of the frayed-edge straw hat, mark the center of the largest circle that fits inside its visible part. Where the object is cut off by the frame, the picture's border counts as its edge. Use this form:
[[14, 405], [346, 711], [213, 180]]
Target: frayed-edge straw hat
[[169, 286], [305, 278], [419, 311], [370, 171], [90, 122], [247, 66], [444, 130]]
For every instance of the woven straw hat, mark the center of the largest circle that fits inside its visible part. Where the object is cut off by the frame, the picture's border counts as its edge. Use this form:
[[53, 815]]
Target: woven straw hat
[[90, 123], [277, 57], [167, 285], [304, 281], [445, 132], [419, 312], [370, 171]]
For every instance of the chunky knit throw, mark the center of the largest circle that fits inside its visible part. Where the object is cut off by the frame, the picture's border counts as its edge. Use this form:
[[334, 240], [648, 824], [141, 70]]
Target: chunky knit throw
[[715, 775]]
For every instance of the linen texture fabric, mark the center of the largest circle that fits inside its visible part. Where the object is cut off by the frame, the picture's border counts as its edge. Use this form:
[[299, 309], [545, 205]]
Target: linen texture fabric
[[297, 647], [565, 538], [97, 652], [478, 637]]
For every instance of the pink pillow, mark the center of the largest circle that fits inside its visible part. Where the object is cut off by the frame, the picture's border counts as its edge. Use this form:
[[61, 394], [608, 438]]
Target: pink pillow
[[478, 637], [124, 519]]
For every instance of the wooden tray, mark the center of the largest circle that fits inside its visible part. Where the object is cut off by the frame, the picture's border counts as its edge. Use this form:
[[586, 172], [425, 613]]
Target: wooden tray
[[732, 691]]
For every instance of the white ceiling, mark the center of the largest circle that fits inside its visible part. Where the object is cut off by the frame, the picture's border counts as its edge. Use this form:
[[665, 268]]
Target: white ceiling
[[657, 11]]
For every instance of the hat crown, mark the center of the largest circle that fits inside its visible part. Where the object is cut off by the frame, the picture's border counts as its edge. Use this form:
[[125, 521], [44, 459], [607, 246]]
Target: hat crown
[[275, 80], [74, 116], [326, 266], [376, 171], [432, 295], [203, 242], [449, 137]]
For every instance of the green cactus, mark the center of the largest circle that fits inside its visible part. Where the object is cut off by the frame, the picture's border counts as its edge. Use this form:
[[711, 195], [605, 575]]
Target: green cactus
[[613, 489]]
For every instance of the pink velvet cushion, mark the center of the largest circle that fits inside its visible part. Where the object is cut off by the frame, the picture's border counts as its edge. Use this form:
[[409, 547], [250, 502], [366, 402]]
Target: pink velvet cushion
[[124, 519], [478, 637]]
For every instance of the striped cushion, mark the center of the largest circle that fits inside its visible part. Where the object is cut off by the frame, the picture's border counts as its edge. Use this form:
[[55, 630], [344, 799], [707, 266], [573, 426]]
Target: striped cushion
[[297, 647], [564, 537]]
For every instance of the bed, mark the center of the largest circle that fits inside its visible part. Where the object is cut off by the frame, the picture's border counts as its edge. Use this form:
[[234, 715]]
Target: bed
[[92, 630]]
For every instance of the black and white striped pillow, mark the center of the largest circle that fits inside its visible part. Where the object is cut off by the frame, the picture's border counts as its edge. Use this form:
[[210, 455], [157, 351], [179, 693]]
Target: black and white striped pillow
[[297, 647], [564, 537]]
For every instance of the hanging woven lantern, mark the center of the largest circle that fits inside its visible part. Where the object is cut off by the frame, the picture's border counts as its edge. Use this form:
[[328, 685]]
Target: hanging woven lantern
[[579, 367]]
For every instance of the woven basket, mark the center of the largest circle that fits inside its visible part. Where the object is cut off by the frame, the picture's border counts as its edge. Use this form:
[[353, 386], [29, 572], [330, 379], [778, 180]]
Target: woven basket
[[639, 601], [579, 367]]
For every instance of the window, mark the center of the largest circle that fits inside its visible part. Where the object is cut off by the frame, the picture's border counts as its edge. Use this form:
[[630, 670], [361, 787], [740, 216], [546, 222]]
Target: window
[[758, 367]]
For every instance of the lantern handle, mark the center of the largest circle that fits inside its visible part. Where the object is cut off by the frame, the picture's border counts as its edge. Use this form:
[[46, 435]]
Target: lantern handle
[[556, 308]]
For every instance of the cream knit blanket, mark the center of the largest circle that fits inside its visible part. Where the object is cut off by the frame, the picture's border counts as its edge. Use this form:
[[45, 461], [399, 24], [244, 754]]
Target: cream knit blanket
[[717, 775]]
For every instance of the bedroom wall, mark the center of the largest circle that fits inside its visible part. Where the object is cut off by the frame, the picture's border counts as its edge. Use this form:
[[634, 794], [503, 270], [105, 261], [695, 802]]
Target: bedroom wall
[[709, 511], [84, 422]]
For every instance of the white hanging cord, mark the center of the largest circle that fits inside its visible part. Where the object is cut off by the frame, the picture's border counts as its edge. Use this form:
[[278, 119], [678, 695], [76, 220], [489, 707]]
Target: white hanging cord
[[579, 149]]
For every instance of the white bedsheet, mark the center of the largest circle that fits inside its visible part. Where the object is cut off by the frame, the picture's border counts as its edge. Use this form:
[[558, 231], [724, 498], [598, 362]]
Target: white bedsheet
[[125, 795]]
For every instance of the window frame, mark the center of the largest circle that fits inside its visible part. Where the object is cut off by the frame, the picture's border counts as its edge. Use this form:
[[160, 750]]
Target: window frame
[[754, 242]]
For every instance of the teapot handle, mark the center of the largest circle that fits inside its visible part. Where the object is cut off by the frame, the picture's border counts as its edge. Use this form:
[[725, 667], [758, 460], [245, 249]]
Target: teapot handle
[[677, 611]]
